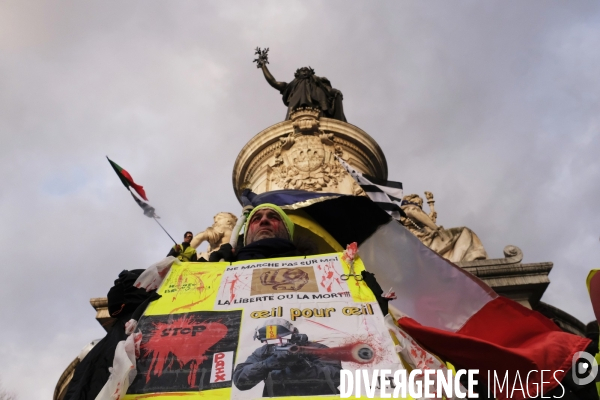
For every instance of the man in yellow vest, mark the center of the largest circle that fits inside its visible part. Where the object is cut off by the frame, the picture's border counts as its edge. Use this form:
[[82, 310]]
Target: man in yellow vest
[[184, 252]]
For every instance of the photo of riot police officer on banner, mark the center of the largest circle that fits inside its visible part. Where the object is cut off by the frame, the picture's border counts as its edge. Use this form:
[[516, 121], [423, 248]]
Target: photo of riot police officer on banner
[[285, 364]]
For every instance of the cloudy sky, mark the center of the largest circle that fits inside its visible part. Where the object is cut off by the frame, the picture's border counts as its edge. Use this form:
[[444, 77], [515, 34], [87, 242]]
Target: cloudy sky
[[493, 106]]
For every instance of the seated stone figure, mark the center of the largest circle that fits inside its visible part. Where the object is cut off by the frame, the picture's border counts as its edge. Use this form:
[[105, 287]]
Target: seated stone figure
[[454, 244]]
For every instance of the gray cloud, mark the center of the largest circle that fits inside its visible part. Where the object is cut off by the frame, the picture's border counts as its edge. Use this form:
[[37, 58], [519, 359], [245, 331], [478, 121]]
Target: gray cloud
[[492, 106]]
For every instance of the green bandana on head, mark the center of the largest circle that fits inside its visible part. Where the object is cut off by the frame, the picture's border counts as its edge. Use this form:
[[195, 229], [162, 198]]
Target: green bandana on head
[[289, 225]]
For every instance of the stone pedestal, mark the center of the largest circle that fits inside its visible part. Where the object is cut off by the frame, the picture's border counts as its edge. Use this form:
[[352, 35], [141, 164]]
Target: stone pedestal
[[100, 304], [524, 283]]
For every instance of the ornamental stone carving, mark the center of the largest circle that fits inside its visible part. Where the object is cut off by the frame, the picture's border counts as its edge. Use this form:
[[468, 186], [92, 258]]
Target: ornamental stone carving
[[306, 120], [306, 158], [300, 153]]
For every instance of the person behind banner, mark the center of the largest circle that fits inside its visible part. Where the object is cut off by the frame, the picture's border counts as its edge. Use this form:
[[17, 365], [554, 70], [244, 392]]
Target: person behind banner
[[125, 301], [184, 252], [285, 364], [269, 233]]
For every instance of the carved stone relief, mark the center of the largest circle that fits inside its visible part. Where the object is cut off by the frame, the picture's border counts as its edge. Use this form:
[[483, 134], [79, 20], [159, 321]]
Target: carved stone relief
[[305, 159], [300, 153]]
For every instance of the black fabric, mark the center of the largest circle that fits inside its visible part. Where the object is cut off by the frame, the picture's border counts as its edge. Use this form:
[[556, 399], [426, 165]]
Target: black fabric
[[172, 252], [137, 314], [283, 198], [124, 302], [267, 248], [123, 297], [371, 282], [225, 253], [592, 332], [91, 374], [384, 205], [349, 218], [383, 182], [390, 207], [404, 202]]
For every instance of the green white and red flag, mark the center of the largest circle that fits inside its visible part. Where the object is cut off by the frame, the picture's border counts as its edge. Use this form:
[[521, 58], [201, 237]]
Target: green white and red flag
[[127, 180]]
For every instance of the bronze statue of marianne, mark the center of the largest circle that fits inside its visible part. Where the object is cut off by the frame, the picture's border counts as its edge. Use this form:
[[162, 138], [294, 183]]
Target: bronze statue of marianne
[[306, 90]]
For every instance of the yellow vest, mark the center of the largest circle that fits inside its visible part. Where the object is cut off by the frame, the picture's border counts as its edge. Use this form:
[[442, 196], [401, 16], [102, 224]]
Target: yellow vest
[[186, 254]]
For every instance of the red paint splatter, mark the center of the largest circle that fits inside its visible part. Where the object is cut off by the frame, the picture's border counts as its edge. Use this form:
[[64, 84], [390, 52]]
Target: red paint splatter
[[198, 276], [204, 292], [137, 341], [330, 276], [117, 393], [235, 283], [187, 281], [186, 339], [325, 326], [162, 273]]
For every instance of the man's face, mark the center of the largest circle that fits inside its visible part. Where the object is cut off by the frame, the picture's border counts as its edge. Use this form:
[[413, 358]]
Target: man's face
[[265, 224], [187, 238]]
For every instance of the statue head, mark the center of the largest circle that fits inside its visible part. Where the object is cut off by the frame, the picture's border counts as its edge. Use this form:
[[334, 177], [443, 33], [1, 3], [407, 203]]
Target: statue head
[[225, 219], [304, 72]]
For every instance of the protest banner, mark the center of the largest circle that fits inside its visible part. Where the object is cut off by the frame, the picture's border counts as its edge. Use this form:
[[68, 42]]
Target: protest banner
[[266, 328]]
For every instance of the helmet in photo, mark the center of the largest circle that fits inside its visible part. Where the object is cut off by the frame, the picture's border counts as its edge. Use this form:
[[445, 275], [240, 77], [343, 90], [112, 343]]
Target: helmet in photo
[[275, 328]]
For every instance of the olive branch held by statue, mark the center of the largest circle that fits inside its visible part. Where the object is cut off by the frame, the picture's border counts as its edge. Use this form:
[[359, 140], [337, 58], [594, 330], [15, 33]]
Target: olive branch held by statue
[[263, 57]]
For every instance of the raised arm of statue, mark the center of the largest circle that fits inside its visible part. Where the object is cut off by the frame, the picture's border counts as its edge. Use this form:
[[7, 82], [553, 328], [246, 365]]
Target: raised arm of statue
[[261, 62], [217, 234], [209, 235], [431, 202], [274, 83], [418, 215]]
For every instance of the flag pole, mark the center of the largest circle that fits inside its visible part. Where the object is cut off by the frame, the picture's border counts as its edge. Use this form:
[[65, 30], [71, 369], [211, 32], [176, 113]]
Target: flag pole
[[163, 228], [149, 212]]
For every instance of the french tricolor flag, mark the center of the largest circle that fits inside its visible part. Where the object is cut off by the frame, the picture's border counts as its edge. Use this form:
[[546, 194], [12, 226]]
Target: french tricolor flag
[[447, 310]]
